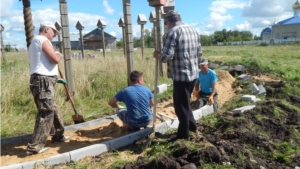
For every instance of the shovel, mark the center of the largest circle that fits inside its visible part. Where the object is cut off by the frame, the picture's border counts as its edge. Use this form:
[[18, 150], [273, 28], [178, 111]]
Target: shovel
[[77, 118]]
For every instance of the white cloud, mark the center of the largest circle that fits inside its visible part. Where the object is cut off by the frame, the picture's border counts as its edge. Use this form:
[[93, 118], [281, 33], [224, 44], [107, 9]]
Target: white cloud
[[243, 26], [216, 20], [108, 9], [7, 35], [113, 33], [6, 9], [263, 8], [221, 6]]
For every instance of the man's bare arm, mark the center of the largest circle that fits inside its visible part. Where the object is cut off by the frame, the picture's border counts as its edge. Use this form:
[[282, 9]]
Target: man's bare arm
[[53, 56]]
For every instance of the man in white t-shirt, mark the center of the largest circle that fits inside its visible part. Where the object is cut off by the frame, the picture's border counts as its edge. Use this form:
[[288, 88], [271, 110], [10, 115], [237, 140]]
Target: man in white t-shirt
[[43, 61]]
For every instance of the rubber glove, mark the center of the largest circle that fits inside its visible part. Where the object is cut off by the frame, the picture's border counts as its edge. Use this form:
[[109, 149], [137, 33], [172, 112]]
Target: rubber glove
[[62, 81], [211, 100], [195, 94]]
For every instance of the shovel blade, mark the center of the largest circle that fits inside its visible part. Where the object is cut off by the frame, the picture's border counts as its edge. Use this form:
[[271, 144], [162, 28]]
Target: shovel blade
[[77, 118]]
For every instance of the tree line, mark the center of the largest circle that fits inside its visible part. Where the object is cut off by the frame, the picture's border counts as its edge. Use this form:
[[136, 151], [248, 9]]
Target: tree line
[[206, 40]]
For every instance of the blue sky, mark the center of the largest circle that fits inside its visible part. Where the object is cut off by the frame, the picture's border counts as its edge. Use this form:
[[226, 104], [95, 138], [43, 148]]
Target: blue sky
[[206, 16]]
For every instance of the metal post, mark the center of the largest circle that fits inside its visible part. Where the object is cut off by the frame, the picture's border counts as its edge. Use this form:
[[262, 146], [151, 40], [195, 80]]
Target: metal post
[[28, 22], [2, 45], [66, 44], [129, 40]]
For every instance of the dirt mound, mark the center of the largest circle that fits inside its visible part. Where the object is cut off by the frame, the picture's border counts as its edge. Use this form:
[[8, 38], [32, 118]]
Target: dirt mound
[[224, 86], [265, 137]]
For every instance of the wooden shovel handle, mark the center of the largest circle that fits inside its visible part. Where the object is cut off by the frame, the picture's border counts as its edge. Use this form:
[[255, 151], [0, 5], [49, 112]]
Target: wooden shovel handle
[[68, 93]]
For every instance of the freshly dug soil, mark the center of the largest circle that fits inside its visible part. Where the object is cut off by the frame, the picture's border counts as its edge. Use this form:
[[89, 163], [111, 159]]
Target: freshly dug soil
[[265, 137]]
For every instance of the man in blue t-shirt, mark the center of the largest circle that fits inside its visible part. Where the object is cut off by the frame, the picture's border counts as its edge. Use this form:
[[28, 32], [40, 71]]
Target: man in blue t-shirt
[[207, 80], [138, 100]]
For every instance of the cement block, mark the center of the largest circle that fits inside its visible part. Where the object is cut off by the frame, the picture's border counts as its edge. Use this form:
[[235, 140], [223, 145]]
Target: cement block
[[239, 68], [262, 90], [207, 109], [256, 100], [197, 114], [213, 65], [248, 98], [224, 67], [121, 142], [58, 159], [162, 88], [14, 166], [210, 109], [242, 109], [246, 78], [242, 76], [163, 127], [254, 89], [92, 150]]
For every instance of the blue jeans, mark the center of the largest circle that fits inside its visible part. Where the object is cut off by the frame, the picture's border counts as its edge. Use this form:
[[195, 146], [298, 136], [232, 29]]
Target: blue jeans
[[122, 114]]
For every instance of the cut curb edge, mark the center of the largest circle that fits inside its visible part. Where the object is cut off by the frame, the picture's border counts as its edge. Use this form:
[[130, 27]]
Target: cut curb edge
[[99, 148]]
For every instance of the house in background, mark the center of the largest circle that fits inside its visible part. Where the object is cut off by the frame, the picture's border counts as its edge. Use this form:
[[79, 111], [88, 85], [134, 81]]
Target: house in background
[[286, 29], [91, 40]]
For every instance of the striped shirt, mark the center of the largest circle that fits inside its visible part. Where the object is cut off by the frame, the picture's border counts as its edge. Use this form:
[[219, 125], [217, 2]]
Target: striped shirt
[[182, 52]]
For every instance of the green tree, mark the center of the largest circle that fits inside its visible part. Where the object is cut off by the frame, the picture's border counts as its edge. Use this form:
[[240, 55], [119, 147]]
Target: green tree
[[149, 38], [206, 40], [120, 43], [8, 48]]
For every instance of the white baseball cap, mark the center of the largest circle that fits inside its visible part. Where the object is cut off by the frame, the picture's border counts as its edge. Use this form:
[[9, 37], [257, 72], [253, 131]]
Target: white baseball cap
[[50, 25]]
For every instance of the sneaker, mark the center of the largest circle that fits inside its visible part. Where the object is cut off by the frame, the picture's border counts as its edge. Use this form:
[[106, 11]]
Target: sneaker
[[37, 152], [63, 139]]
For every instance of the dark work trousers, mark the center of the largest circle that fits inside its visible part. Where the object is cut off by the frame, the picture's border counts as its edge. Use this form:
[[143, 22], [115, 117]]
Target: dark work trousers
[[181, 98], [48, 120]]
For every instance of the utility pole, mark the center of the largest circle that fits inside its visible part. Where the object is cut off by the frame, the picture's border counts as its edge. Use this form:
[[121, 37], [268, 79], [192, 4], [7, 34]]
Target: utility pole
[[101, 25], [80, 27], [122, 25], [142, 21], [66, 44], [157, 4], [129, 39]]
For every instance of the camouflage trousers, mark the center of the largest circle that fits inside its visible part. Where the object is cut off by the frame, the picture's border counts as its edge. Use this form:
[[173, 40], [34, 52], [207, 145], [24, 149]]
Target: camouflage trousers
[[203, 100], [48, 120]]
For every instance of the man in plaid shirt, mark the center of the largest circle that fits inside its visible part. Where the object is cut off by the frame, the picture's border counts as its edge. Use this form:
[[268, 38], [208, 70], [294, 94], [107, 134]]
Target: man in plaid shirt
[[182, 52]]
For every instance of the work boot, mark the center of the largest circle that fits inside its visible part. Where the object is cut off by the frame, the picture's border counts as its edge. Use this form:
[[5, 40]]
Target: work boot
[[63, 139]]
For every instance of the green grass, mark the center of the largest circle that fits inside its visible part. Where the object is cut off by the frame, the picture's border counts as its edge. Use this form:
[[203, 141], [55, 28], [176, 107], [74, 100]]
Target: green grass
[[97, 80]]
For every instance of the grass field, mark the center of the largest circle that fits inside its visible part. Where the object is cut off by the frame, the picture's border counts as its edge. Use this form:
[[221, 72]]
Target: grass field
[[97, 80]]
